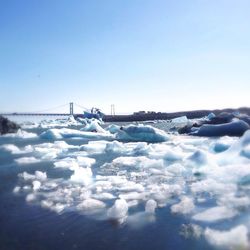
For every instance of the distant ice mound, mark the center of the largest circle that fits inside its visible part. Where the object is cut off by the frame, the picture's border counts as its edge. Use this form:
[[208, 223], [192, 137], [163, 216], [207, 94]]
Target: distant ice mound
[[60, 122], [234, 128], [93, 131], [141, 132], [230, 124]]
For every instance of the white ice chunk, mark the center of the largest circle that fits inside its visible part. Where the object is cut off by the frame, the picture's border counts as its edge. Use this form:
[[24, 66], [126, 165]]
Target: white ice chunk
[[67, 163], [26, 160], [132, 196], [185, 206], [94, 126], [94, 147], [104, 196], [90, 204], [113, 128], [30, 197], [118, 210], [82, 175], [236, 238], [41, 176], [180, 120], [85, 161], [215, 214], [13, 149], [141, 133], [54, 134], [150, 206], [36, 185], [16, 189], [47, 204]]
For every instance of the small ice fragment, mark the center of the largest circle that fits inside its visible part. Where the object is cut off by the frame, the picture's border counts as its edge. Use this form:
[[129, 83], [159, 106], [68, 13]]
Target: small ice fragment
[[46, 204], [16, 189], [36, 185], [150, 206], [90, 204], [82, 175], [30, 197], [185, 206], [41, 176], [118, 210]]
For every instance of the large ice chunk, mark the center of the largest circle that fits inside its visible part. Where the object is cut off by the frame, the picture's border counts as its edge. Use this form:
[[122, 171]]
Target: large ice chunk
[[141, 132], [236, 238], [215, 214], [185, 206], [180, 120], [27, 160]]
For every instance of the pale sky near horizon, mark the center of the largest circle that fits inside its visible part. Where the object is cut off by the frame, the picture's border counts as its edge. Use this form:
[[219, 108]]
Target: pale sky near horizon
[[156, 55]]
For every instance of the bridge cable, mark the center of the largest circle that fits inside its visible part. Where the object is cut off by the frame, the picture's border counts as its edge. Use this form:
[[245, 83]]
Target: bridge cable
[[49, 109]]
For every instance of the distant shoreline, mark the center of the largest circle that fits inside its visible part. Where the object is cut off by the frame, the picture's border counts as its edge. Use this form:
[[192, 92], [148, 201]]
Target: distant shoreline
[[168, 116], [146, 116]]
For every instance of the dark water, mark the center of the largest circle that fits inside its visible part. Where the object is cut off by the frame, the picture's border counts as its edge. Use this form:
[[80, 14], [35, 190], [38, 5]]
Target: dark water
[[24, 226]]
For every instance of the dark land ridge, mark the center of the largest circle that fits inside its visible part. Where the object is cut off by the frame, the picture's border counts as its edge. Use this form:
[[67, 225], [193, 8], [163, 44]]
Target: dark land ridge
[[147, 116]]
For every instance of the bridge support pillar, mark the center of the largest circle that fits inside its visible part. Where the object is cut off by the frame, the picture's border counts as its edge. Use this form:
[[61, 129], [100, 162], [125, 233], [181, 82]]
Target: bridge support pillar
[[112, 109], [71, 108]]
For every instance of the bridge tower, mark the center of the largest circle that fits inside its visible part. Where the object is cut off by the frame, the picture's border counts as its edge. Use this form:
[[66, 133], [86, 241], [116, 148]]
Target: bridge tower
[[113, 109], [71, 108]]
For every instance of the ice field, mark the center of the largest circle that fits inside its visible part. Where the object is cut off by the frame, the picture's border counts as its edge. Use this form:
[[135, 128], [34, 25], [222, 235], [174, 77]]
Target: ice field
[[88, 185]]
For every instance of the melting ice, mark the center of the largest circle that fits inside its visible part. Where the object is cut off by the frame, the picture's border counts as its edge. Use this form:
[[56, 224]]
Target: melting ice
[[107, 171]]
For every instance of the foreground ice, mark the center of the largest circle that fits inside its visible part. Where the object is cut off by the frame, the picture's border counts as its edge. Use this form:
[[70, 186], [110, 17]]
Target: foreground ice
[[122, 169]]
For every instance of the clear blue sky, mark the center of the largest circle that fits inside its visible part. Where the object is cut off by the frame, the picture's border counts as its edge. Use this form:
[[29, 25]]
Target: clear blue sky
[[157, 55]]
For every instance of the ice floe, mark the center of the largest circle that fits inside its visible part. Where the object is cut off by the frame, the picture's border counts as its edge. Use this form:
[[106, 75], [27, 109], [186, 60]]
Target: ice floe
[[141, 133], [27, 160], [235, 238], [64, 133], [128, 174], [215, 214]]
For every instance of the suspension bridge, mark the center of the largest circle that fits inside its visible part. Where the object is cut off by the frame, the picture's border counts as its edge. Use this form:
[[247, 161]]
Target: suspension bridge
[[50, 111]]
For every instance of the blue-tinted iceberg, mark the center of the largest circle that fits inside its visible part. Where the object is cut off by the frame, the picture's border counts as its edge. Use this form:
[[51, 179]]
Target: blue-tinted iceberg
[[234, 128], [141, 133]]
